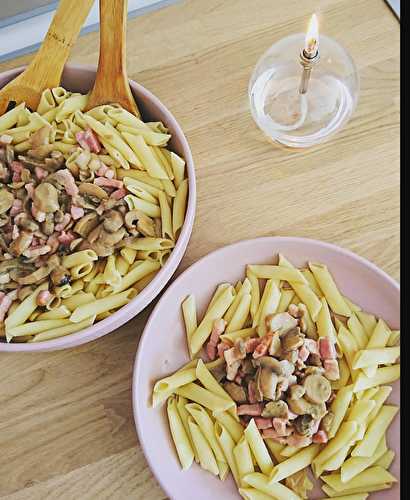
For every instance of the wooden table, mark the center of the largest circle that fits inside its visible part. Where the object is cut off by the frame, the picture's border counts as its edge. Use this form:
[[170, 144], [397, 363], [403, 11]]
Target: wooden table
[[66, 425]]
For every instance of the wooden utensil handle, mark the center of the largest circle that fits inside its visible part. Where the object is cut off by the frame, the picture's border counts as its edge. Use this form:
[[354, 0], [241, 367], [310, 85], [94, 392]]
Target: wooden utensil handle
[[48, 64], [113, 19]]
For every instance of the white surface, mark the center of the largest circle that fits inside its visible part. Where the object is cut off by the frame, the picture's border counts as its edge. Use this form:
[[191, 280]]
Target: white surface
[[22, 35]]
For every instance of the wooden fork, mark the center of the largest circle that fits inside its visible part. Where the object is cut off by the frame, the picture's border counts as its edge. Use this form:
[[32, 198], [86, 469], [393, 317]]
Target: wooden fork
[[46, 68], [111, 84]]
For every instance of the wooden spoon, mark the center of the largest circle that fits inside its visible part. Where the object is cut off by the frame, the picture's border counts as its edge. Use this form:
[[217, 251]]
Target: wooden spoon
[[46, 68], [111, 84]]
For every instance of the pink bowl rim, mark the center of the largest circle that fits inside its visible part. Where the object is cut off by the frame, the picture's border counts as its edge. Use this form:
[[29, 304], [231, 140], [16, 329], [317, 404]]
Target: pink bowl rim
[[145, 297], [136, 404]]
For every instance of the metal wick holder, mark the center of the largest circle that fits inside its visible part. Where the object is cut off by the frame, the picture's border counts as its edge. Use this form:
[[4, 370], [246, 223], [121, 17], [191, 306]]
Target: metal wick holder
[[307, 61]]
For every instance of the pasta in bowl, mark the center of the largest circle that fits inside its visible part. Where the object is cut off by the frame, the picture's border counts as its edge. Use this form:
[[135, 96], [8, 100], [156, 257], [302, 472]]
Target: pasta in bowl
[[288, 379], [96, 210]]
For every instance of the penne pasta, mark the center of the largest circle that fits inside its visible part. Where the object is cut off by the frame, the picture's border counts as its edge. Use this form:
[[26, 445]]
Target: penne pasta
[[239, 334], [343, 436], [234, 428], [357, 331], [295, 463], [243, 459], [78, 299], [227, 445], [371, 476], [184, 416], [198, 394], [205, 454], [268, 305], [145, 155], [245, 288], [324, 323], [55, 333], [286, 297], [77, 258], [166, 217], [138, 273], [190, 319], [179, 436], [367, 320], [273, 489], [217, 311], [311, 280], [179, 206], [178, 379], [366, 357], [35, 327], [328, 286], [278, 273], [83, 311], [385, 375], [24, 310], [255, 292], [386, 459], [253, 494], [379, 398], [258, 448], [240, 316], [61, 312], [378, 339], [354, 491], [355, 465]]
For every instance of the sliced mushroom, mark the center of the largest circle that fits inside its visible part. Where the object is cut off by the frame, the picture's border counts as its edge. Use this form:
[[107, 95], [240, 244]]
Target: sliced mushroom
[[45, 198], [111, 239], [247, 367], [35, 277], [276, 409], [314, 359], [304, 425], [300, 406], [40, 137], [113, 221], [86, 224], [21, 243], [314, 370], [93, 190], [55, 162], [317, 388], [327, 421], [31, 163], [275, 345], [41, 152], [287, 367], [267, 381], [271, 363], [292, 340], [280, 322], [6, 200], [48, 225], [236, 392], [296, 391], [9, 154]]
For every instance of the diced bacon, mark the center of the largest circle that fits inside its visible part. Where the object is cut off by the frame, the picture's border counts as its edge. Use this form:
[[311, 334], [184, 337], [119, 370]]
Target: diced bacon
[[16, 208], [254, 410], [251, 344], [272, 434], [64, 223], [263, 423], [43, 297], [102, 170], [15, 233], [299, 441], [320, 437], [76, 212], [111, 183], [65, 238], [222, 347], [331, 367], [5, 304], [279, 424], [40, 173], [118, 194], [66, 179], [30, 190], [210, 351], [303, 353], [263, 346], [252, 392], [88, 140], [326, 348], [311, 345], [109, 174], [218, 328], [38, 214]]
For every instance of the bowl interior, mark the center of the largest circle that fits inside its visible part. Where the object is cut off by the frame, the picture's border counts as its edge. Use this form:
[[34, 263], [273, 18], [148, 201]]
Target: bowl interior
[[361, 281], [81, 79]]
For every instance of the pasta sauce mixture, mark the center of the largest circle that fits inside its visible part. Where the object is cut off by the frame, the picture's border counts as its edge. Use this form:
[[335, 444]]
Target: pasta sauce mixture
[[90, 208]]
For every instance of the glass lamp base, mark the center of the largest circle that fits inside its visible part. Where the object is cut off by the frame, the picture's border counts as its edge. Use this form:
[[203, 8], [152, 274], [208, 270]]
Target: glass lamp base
[[302, 120]]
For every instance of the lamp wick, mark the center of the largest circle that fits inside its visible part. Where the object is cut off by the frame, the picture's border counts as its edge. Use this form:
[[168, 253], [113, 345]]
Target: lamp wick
[[307, 61]]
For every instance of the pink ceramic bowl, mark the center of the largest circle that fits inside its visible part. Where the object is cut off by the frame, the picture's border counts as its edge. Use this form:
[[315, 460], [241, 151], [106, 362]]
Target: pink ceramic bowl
[[81, 79], [357, 278]]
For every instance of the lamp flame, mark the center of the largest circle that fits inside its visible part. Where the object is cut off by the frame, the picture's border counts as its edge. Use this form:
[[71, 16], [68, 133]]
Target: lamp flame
[[312, 37]]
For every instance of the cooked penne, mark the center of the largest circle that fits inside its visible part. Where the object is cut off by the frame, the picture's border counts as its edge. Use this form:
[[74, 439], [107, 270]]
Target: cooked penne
[[184, 416], [82, 312], [179, 436], [61, 312], [253, 494], [385, 375], [366, 357], [243, 459], [367, 446], [138, 273], [258, 448], [394, 338], [278, 273], [211, 384], [129, 254], [355, 465], [311, 280], [166, 217], [295, 463], [357, 330], [239, 334], [35, 327], [354, 491], [386, 459], [227, 445], [205, 454], [368, 321], [379, 338], [217, 311], [24, 310], [179, 206], [9, 119], [255, 292], [328, 286], [343, 436], [55, 333], [324, 323], [174, 381], [276, 449], [77, 258], [286, 297], [78, 299], [234, 428], [276, 490], [268, 305], [145, 155], [245, 288], [371, 476], [202, 396], [379, 398], [240, 316], [190, 319]]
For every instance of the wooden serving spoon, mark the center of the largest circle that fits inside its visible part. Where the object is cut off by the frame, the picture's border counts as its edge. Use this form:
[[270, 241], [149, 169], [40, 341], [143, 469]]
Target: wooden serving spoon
[[111, 84], [46, 68]]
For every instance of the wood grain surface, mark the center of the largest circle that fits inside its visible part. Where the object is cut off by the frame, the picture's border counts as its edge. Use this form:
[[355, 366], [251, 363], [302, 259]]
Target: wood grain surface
[[66, 425]]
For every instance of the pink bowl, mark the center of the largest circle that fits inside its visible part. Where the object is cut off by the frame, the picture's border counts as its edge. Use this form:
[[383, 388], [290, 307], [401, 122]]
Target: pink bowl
[[79, 78], [357, 278]]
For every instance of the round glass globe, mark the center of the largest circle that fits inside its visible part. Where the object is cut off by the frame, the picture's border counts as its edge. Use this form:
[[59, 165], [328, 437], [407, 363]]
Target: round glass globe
[[302, 120]]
